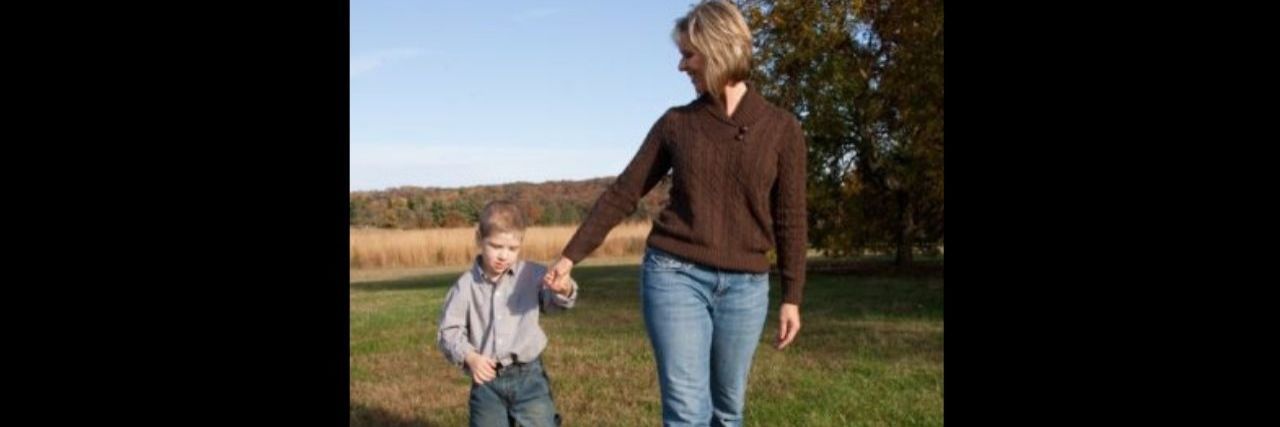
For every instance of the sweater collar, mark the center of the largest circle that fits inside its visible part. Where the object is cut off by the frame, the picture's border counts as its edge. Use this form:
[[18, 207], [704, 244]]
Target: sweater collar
[[750, 109]]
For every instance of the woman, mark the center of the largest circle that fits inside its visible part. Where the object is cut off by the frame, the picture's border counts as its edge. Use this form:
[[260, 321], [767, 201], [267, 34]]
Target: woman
[[738, 190]]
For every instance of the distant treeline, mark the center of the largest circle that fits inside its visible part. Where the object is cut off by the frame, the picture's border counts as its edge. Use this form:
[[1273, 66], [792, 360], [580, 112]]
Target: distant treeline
[[547, 203]]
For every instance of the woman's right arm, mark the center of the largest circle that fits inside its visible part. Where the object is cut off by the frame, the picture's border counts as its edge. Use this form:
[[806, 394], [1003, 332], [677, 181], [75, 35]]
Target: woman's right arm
[[648, 167]]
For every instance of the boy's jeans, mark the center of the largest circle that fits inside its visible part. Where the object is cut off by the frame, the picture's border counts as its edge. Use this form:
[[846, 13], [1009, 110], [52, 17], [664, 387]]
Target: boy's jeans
[[519, 396], [704, 325]]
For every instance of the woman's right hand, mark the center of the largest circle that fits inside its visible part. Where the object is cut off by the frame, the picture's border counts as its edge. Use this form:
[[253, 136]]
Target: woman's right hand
[[558, 274]]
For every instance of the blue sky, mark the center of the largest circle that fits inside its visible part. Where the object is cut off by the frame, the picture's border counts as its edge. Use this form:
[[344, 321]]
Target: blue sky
[[450, 93]]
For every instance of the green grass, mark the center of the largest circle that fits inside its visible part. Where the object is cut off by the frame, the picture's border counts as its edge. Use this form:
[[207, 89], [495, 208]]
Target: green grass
[[869, 354]]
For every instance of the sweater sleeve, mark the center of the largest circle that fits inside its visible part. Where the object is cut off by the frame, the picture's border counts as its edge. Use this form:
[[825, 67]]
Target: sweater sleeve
[[789, 213], [644, 172]]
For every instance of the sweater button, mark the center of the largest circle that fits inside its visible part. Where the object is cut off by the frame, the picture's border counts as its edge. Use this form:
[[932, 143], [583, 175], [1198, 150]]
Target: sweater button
[[742, 129], [738, 137]]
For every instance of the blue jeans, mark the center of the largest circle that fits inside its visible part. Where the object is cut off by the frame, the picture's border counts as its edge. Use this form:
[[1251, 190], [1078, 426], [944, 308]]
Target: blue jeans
[[704, 324], [519, 396]]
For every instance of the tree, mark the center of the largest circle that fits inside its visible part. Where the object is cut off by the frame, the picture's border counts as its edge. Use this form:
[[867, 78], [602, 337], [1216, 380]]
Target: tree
[[437, 212], [865, 78], [549, 203]]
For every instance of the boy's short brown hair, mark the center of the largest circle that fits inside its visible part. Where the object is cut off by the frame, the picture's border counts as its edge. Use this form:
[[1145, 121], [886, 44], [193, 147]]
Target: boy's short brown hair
[[500, 217]]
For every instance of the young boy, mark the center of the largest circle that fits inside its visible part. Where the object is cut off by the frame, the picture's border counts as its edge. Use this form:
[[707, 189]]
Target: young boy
[[490, 325]]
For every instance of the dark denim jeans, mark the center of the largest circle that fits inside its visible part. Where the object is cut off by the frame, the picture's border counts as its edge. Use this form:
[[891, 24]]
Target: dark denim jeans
[[519, 396]]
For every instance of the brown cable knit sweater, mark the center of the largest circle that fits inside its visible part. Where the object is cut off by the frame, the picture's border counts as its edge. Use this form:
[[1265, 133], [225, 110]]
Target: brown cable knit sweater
[[738, 187]]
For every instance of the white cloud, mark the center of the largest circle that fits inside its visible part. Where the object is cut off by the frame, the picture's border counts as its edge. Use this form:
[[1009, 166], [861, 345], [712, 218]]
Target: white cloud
[[532, 15], [364, 63]]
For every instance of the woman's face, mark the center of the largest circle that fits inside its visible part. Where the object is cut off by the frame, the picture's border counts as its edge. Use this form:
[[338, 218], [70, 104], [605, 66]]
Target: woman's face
[[692, 63]]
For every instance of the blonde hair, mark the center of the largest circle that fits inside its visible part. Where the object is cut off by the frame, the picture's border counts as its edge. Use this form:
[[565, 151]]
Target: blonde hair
[[500, 217], [717, 31]]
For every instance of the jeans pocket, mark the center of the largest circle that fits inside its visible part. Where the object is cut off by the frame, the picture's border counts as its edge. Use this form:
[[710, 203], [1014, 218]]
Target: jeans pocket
[[656, 260]]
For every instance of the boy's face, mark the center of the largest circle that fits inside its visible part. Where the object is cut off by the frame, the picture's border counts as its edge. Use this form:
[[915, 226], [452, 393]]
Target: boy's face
[[499, 252]]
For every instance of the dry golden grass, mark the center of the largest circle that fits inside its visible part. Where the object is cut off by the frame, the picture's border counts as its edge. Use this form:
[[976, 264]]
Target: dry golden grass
[[380, 249]]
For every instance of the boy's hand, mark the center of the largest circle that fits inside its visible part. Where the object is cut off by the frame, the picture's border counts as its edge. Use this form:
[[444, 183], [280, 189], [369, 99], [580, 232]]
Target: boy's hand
[[788, 325], [483, 369], [561, 287], [557, 277]]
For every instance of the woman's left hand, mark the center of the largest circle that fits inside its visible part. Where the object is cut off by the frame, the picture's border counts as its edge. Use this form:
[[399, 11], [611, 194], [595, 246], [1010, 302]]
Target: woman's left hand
[[788, 324]]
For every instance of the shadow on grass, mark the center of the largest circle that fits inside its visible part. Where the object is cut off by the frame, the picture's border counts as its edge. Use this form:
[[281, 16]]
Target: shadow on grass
[[443, 280], [367, 416], [584, 275]]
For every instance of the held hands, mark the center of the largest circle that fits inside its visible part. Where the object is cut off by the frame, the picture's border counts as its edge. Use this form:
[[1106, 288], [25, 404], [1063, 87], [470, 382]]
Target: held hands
[[557, 277]]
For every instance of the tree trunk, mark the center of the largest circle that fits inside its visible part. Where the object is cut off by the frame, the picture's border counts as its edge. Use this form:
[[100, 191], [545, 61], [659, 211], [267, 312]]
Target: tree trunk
[[906, 229]]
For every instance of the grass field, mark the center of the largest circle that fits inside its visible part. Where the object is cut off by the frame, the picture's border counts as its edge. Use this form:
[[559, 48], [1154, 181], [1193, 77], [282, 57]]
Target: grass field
[[870, 354]]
